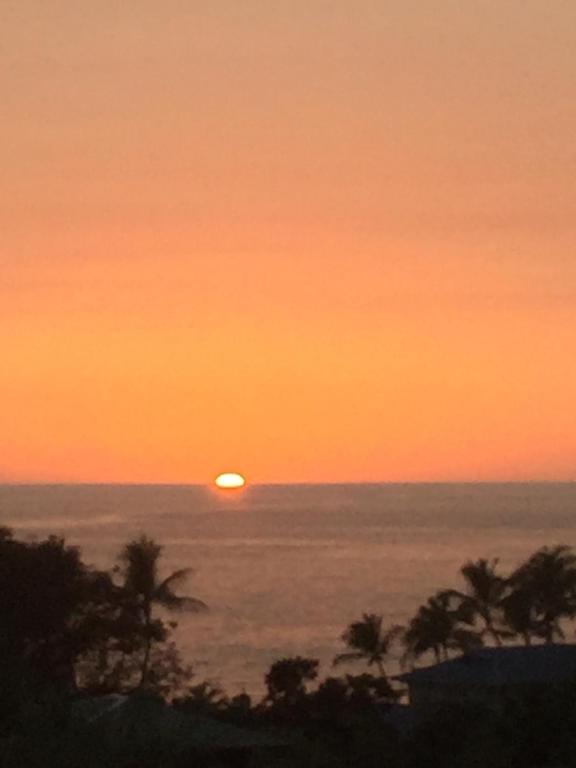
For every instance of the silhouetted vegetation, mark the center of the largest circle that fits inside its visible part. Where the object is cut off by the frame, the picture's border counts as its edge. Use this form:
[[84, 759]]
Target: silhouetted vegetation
[[144, 590], [368, 642], [75, 639]]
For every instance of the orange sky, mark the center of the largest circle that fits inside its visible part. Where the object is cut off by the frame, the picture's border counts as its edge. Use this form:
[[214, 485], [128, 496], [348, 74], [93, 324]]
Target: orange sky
[[301, 239]]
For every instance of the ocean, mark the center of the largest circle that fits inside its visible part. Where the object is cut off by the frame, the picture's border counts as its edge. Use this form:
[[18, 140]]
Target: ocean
[[285, 568]]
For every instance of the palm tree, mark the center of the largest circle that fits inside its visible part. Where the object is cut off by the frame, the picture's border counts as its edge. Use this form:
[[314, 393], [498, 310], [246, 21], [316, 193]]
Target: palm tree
[[519, 618], [437, 627], [368, 641], [144, 589], [546, 583], [485, 590]]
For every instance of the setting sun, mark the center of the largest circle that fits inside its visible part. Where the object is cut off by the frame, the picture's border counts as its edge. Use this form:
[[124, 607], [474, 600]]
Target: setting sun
[[230, 481]]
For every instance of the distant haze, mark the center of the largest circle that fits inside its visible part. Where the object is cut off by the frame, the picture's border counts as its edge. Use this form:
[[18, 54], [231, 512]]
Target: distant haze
[[308, 240]]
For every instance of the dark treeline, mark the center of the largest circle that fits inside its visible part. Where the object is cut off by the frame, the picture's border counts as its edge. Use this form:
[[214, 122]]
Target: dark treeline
[[70, 632], [533, 604]]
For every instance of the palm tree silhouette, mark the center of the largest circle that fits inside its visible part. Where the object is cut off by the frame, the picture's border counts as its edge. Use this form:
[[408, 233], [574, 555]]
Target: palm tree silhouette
[[140, 559], [544, 587], [437, 627], [485, 590], [519, 616], [368, 641]]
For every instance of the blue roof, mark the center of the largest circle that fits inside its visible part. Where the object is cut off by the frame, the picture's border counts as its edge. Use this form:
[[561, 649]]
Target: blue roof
[[139, 719], [501, 666]]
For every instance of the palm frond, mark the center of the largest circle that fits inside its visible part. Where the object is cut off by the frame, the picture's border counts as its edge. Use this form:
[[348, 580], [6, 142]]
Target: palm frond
[[175, 580], [174, 602], [165, 595], [192, 604]]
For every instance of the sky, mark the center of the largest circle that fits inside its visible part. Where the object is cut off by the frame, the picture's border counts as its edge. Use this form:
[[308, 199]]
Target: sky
[[306, 240]]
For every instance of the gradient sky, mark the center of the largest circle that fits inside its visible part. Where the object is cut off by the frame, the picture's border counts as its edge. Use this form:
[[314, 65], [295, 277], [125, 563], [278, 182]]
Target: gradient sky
[[301, 239]]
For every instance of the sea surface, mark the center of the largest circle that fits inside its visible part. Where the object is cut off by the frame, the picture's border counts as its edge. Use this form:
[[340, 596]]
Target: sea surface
[[285, 568]]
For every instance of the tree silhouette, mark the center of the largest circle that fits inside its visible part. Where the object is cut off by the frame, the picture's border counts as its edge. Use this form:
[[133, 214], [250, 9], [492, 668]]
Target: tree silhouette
[[543, 593], [141, 582], [53, 609], [348, 714], [368, 641], [49, 601], [519, 615], [286, 680], [485, 590], [437, 627]]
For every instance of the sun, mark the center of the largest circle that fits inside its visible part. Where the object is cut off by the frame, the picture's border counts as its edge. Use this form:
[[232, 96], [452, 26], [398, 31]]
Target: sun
[[229, 481]]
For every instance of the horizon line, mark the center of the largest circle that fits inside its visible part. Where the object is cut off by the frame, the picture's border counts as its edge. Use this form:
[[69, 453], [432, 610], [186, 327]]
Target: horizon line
[[168, 484]]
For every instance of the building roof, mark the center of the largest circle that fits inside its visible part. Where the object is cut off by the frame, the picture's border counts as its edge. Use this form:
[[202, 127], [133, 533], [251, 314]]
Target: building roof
[[501, 666], [141, 720]]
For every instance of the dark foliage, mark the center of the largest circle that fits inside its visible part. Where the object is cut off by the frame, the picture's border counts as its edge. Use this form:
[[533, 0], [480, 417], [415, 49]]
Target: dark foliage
[[286, 680], [69, 630], [67, 627], [143, 590], [368, 641]]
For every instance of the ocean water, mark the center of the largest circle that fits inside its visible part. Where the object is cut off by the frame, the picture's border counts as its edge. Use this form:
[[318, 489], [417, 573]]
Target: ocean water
[[284, 568]]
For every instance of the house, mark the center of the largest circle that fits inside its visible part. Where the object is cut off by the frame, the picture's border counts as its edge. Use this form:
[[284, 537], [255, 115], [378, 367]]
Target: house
[[488, 677], [118, 727]]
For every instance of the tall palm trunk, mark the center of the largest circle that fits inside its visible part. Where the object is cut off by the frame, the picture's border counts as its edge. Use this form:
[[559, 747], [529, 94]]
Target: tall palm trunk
[[493, 633], [147, 646], [551, 628]]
